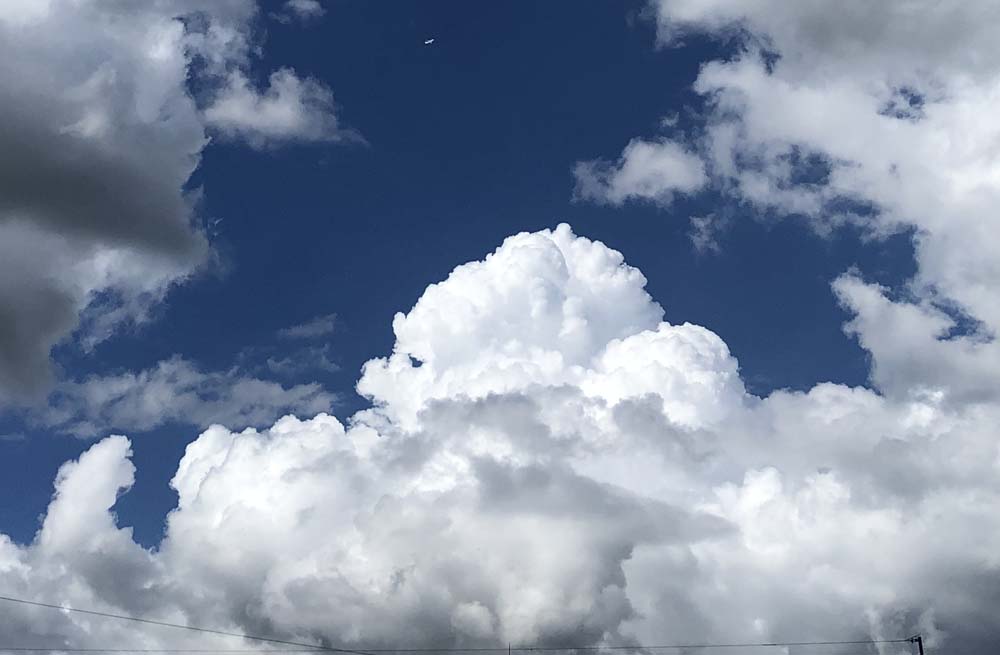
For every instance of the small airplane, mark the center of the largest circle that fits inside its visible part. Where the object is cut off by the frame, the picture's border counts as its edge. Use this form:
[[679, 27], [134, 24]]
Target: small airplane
[[428, 41]]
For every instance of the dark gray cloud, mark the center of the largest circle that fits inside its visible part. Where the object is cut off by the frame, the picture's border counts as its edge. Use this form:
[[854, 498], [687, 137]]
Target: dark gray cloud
[[99, 136], [127, 195], [97, 139]]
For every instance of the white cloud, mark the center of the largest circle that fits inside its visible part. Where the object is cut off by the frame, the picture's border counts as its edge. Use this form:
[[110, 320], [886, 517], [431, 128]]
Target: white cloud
[[931, 167], [301, 10], [912, 346], [528, 313], [704, 232], [289, 109], [301, 360], [653, 171], [321, 326], [99, 135], [547, 461], [875, 114], [881, 115], [174, 390]]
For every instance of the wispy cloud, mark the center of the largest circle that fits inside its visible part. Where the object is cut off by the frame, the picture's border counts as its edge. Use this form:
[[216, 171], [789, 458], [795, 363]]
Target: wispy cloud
[[320, 326], [174, 390], [303, 11]]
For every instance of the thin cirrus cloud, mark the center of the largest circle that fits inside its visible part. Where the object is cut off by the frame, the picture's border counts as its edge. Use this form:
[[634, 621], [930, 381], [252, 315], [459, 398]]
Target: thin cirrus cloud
[[174, 390], [98, 136], [705, 232], [559, 463], [306, 349], [320, 326], [303, 360]]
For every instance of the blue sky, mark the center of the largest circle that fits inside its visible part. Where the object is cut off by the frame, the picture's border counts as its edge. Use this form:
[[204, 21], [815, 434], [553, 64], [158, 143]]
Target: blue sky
[[799, 189], [469, 140]]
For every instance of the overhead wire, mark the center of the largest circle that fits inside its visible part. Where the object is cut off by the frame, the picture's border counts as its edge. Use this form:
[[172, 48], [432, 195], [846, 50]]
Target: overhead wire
[[305, 647], [193, 651], [181, 626]]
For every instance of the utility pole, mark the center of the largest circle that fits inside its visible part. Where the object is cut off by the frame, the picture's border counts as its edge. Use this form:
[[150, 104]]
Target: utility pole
[[919, 641]]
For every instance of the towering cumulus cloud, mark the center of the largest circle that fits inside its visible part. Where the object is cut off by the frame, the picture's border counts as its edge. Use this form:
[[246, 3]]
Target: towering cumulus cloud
[[99, 134], [546, 461]]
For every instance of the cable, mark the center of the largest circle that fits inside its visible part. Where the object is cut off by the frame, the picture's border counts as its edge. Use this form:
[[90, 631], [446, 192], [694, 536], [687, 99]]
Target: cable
[[198, 650], [371, 651], [183, 627], [497, 649], [637, 647], [37, 649]]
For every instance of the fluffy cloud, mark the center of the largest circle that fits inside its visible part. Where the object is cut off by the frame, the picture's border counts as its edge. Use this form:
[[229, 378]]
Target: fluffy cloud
[[99, 135], [879, 115], [547, 460], [290, 109], [652, 171]]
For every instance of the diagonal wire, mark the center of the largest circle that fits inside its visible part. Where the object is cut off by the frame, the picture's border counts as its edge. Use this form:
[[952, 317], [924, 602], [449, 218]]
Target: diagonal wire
[[303, 647], [181, 626], [39, 649]]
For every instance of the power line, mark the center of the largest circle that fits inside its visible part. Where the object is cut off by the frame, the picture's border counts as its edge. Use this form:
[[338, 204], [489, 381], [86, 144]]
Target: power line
[[313, 649], [638, 647], [181, 626], [488, 649], [303, 647], [38, 649]]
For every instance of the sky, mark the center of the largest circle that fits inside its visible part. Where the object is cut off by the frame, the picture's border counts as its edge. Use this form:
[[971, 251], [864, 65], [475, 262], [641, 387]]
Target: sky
[[450, 324]]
